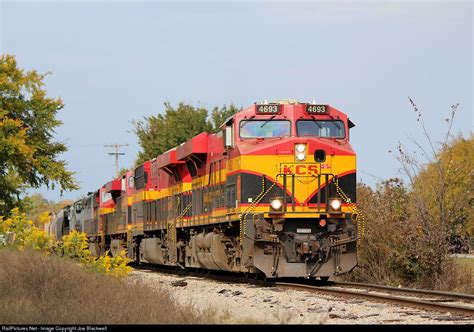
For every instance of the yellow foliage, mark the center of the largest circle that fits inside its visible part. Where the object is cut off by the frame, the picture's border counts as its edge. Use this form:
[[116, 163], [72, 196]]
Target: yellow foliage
[[19, 225], [119, 265], [44, 218], [75, 246], [24, 234], [116, 265], [38, 240]]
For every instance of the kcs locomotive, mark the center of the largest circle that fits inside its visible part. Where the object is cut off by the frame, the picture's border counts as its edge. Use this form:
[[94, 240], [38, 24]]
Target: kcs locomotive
[[272, 193]]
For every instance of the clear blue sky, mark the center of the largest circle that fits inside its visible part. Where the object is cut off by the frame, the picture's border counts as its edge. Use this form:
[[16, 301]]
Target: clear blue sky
[[114, 62]]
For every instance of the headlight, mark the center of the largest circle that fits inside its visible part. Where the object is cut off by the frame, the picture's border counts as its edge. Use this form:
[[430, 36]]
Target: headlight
[[300, 147], [300, 152], [335, 204], [276, 204]]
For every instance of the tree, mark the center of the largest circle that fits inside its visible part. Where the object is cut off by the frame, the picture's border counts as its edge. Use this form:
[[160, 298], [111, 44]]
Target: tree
[[410, 228], [29, 154], [219, 115], [442, 182], [447, 187], [158, 134], [37, 208]]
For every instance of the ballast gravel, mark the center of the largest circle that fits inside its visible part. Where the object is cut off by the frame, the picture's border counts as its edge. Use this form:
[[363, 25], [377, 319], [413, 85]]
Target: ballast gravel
[[250, 304]]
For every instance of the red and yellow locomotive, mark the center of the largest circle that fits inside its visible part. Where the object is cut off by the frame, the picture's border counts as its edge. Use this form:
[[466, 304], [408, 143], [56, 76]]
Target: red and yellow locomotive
[[271, 193]]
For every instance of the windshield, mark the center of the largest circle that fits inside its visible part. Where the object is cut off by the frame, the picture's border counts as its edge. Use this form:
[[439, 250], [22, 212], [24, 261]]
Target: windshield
[[334, 129], [264, 128]]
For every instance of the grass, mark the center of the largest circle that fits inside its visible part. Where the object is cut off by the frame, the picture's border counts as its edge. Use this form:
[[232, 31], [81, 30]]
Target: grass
[[39, 289], [467, 263]]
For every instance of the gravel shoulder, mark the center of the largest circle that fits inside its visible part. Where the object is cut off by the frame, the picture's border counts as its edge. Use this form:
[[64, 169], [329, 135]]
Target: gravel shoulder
[[250, 304]]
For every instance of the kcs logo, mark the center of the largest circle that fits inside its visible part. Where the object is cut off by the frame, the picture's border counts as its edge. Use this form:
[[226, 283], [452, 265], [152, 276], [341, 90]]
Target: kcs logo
[[302, 169]]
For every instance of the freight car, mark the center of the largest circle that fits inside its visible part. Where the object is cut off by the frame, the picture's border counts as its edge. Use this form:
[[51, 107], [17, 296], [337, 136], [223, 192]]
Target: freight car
[[272, 193]]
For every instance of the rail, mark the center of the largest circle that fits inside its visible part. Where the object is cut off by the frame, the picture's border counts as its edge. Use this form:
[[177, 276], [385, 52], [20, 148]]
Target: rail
[[414, 291], [391, 298]]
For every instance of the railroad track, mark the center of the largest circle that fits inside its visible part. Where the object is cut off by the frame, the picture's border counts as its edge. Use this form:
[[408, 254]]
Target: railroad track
[[432, 300], [424, 299], [419, 292]]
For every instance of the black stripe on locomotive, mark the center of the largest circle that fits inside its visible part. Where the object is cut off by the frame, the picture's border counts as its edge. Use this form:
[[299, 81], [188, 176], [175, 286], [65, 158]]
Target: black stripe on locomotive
[[251, 187]]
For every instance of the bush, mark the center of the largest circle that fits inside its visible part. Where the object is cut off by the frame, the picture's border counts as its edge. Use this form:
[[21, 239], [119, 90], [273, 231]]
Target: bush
[[403, 245], [75, 246], [411, 230], [38, 240], [116, 265], [19, 232], [382, 256]]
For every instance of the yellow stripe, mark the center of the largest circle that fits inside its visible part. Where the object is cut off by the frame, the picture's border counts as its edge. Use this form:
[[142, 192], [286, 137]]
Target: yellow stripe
[[106, 210], [270, 165]]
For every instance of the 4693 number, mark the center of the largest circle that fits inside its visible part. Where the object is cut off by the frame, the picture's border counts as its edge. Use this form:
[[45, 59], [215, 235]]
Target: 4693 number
[[268, 109], [316, 109]]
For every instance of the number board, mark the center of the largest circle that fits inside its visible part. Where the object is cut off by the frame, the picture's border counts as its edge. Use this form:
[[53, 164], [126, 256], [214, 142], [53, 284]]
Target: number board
[[316, 109], [268, 109]]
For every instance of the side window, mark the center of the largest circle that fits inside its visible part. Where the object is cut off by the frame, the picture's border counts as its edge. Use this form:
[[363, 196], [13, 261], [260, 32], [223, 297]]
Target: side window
[[140, 177]]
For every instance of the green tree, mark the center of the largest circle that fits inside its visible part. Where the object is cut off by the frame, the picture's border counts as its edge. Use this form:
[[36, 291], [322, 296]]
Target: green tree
[[158, 134], [29, 154], [219, 115]]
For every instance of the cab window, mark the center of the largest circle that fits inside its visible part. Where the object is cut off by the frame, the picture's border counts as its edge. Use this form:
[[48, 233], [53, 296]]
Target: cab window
[[264, 128], [320, 128]]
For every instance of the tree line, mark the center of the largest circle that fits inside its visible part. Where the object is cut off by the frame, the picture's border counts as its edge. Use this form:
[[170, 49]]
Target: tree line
[[159, 133]]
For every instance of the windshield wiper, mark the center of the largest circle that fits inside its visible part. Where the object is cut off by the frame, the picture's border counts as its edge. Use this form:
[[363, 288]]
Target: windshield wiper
[[263, 124], [243, 124]]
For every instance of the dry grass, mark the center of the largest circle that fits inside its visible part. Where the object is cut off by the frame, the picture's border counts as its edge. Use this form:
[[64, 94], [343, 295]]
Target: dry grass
[[37, 289], [463, 275], [458, 278], [467, 263]]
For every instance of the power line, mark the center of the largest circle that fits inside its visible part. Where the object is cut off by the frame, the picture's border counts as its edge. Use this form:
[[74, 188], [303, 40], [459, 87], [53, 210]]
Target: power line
[[116, 154]]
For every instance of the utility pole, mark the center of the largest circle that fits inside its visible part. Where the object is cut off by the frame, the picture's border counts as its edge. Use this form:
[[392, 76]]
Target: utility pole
[[116, 154]]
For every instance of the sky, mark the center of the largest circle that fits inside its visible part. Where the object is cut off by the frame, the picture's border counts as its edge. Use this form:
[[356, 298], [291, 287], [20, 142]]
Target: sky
[[113, 62]]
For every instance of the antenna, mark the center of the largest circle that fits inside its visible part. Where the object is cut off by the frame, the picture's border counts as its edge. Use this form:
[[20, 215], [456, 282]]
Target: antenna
[[116, 154]]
